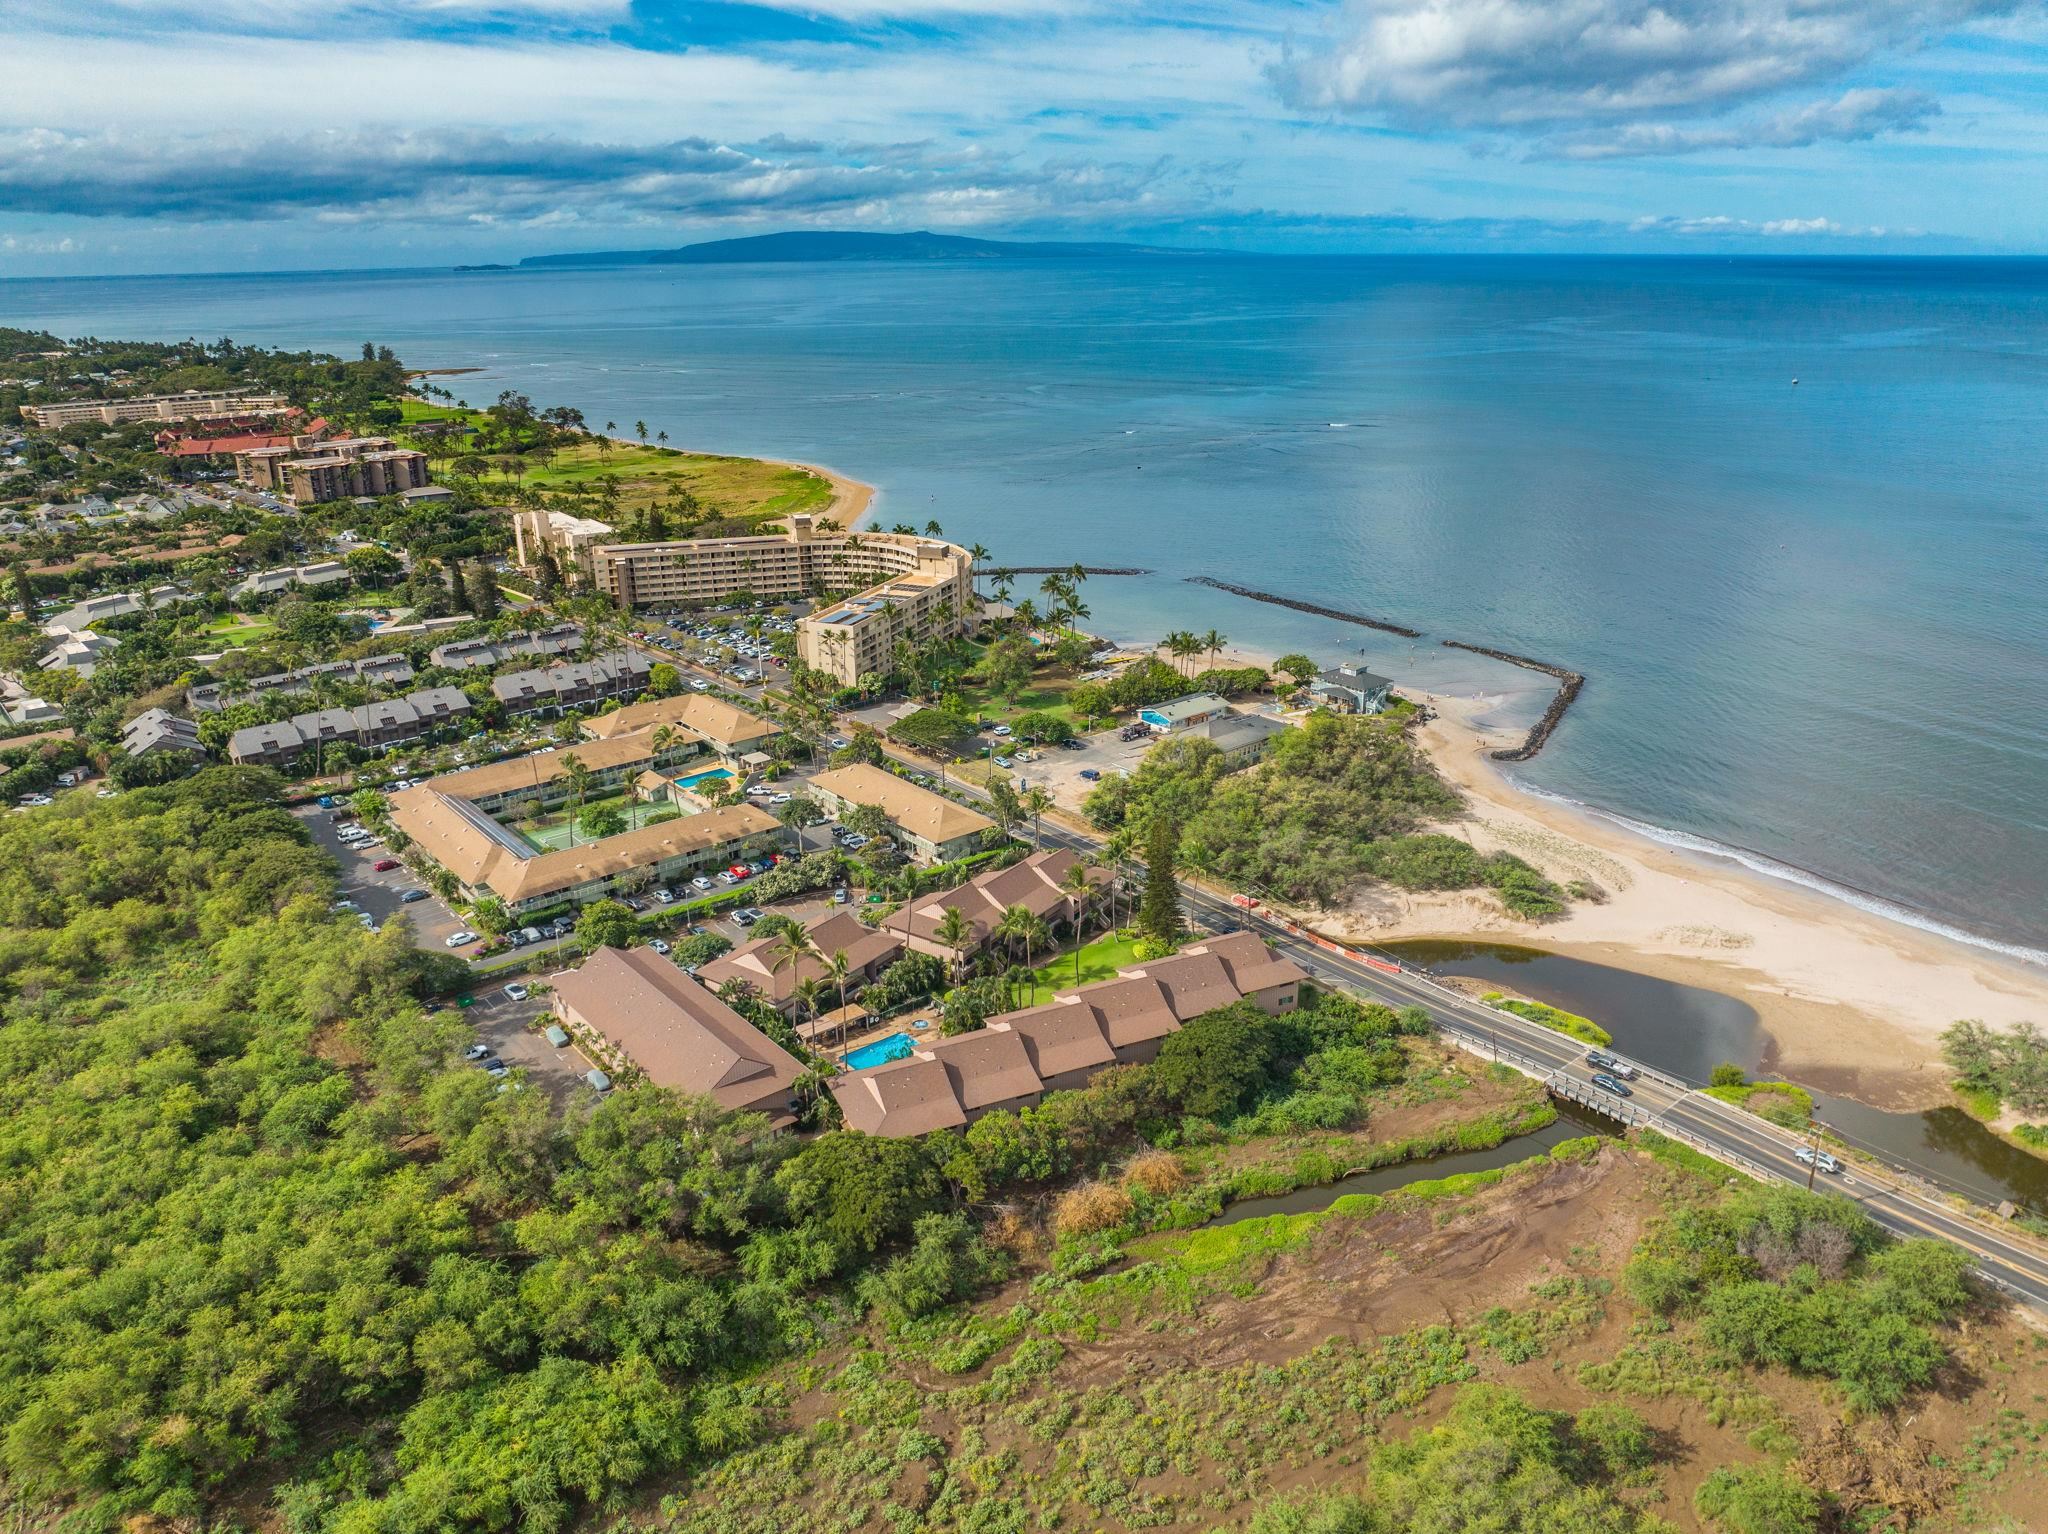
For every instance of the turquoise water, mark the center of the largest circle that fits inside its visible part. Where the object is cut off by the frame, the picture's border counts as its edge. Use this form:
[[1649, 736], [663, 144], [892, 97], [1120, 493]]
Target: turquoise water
[[1814, 616], [702, 777], [895, 1047]]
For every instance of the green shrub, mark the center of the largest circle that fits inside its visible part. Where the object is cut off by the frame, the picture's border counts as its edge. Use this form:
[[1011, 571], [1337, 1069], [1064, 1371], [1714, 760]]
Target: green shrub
[[1753, 1499], [1584, 1029]]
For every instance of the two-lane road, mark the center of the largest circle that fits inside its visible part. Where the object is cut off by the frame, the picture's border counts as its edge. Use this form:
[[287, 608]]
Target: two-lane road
[[2015, 1265]]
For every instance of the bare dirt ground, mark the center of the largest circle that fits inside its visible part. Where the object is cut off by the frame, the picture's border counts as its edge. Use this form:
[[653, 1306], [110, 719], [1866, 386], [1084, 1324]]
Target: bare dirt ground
[[1169, 1393]]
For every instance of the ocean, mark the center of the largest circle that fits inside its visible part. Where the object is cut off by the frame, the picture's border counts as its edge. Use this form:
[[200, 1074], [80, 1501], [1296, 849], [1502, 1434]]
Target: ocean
[[1790, 517]]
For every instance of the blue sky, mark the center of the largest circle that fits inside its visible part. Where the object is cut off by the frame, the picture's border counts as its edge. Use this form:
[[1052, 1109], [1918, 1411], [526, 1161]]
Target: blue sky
[[174, 135]]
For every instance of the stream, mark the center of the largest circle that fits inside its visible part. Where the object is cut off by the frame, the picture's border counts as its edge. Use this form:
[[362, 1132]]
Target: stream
[[1573, 1122], [1687, 1030]]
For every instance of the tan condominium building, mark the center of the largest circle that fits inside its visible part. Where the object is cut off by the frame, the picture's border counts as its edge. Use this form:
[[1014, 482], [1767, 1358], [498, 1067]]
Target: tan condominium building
[[929, 827], [1061, 1044], [636, 1011], [333, 471], [151, 407], [489, 857], [730, 731], [907, 587]]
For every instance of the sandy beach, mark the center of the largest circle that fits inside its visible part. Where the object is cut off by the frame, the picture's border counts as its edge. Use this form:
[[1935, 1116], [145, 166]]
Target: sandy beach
[[1854, 1001]]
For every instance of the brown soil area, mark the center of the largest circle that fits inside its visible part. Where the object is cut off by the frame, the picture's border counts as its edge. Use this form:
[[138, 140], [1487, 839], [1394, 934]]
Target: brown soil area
[[1264, 1329]]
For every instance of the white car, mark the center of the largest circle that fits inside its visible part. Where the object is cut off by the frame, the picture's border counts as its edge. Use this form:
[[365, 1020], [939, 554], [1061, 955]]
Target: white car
[[702, 883], [516, 992], [659, 947], [780, 798], [457, 939]]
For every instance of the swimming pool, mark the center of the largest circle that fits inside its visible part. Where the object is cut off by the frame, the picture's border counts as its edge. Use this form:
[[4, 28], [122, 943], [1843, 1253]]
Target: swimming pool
[[895, 1047], [696, 778]]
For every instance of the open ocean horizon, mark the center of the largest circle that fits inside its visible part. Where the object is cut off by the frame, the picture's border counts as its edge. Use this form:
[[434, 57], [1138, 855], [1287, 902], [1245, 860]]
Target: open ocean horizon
[[1813, 614]]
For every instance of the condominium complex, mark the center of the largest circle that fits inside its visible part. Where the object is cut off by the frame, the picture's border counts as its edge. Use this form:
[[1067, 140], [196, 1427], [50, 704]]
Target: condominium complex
[[152, 407], [1061, 1044], [333, 471], [929, 828], [906, 586], [370, 725]]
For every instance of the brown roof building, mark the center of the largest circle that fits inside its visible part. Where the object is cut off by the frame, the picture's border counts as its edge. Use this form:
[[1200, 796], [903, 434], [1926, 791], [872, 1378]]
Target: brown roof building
[[868, 952], [1036, 883], [1022, 1055], [929, 827], [635, 1008], [730, 731]]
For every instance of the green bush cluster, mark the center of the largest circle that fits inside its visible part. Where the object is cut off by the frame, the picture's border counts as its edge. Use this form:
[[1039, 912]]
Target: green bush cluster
[[1584, 1029]]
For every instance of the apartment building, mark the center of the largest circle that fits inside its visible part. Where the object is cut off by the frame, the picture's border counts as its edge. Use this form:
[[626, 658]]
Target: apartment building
[[929, 827], [466, 654], [574, 684], [333, 471], [1020, 1056], [371, 671], [760, 964], [730, 731], [152, 407], [1038, 883], [270, 583], [371, 725], [156, 731], [907, 586]]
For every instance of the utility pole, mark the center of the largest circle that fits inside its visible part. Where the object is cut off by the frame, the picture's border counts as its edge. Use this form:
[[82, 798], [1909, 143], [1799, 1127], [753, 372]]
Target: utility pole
[[1813, 1166]]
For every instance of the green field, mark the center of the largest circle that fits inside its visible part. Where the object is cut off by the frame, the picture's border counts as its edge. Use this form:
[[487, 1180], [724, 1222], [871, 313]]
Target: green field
[[238, 629], [747, 489], [1100, 960], [550, 832]]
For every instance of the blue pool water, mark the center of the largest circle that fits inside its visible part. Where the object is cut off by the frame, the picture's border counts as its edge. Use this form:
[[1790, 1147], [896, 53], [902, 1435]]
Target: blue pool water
[[701, 777], [895, 1047]]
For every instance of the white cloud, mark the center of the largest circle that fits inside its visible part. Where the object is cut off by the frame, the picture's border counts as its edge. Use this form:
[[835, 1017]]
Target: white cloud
[[1853, 117], [1544, 65]]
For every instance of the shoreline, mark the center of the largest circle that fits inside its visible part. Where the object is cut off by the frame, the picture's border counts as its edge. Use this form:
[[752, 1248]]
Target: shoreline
[[1852, 1001], [852, 500]]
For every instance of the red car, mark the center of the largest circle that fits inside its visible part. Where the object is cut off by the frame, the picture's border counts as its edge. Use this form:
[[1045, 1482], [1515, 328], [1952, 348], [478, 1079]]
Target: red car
[[385, 865]]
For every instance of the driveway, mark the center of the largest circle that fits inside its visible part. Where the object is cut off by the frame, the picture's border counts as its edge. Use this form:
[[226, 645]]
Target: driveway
[[512, 1029], [378, 893]]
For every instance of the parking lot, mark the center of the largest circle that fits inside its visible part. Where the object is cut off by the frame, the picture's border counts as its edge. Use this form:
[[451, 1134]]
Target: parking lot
[[512, 1031], [379, 893]]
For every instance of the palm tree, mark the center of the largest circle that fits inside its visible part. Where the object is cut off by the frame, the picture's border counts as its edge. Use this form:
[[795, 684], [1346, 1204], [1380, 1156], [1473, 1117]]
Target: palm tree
[[1082, 893], [662, 438], [1021, 925], [789, 948], [640, 430], [809, 995], [955, 932], [579, 783], [839, 969], [933, 530], [1115, 853], [1213, 642], [1027, 615], [661, 739], [1035, 801]]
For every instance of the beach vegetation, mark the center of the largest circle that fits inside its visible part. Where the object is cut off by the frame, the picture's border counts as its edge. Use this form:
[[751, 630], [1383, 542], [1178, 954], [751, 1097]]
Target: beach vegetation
[[2010, 1062], [1780, 1102], [1584, 1029]]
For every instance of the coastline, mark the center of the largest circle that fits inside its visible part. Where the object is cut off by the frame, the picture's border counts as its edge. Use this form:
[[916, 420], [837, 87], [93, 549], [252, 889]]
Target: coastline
[[852, 499], [1853, 1001]]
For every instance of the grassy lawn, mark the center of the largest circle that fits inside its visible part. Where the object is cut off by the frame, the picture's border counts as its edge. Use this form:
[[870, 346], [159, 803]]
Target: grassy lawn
[[550, 833], [1044, 695], [1100, 960], [236, 630]]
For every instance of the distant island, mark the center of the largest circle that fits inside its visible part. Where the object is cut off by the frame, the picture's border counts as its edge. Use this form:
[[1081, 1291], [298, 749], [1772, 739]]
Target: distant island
[[856, 245]]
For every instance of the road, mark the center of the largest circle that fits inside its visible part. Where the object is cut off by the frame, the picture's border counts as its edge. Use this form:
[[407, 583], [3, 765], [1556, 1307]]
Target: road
[[1665, 1103]]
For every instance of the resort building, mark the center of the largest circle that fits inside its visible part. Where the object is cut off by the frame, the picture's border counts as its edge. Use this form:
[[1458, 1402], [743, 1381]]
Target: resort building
[[733, 733], [372, 726], [634, 1010], [907, 586], [333, 470], [1352, 690], [488, 857], [929, 827], [1038, 883], [1020, 1056], [157, 731], [78, 653], [758, 964], [1182, 713], [370, 671], [270, 583], [82, 615], [1242, 738], [152, 407], [468, 654], [573, 684]]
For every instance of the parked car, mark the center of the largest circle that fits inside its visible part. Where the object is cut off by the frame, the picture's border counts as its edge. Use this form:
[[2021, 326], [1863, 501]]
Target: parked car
[[741, 871], [410, 896], [532, 934], [1607, 1083], [744, 917], [327, 801], [384, 865], [664, 897], [839, 897], [457, 939], [599, 1081], [698, 684], [1004, 761], [701, 882], [1001, 731], [477, 1052], [497, 1068], [516, 992], [659, 947], [727, 876], [1090, 774], [1808, 1156]]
